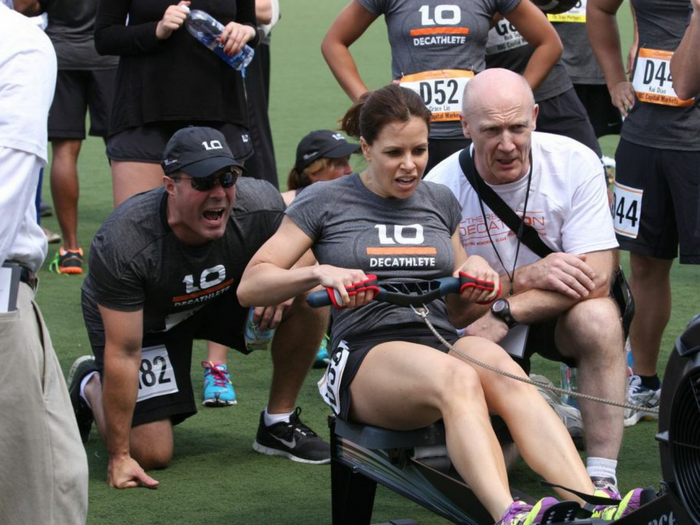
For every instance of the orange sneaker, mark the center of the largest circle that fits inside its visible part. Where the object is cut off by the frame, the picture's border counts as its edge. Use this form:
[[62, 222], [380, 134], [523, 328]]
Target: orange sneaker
[[68, 262]]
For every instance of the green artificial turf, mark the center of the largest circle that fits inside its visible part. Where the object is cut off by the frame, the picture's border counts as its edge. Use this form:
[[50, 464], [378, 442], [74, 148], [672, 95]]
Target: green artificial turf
[[215, 477]]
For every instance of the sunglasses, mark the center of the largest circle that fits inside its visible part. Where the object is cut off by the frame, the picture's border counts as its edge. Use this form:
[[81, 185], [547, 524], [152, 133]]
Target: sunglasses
[[226, 179]]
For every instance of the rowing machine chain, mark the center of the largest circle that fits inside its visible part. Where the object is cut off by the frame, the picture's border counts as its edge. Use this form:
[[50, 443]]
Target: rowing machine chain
[[422, 312]]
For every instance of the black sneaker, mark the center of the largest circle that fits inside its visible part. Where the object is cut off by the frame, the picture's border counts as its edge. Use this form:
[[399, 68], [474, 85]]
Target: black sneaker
[[83, 415], [293, 440]]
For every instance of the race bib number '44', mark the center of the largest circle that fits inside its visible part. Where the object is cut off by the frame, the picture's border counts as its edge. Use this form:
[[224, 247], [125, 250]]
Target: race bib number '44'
[[441, 91], [156, 375], [626, 210]]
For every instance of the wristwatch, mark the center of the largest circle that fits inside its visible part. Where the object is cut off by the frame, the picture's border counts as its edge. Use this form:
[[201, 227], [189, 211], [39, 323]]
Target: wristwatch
[[501, 310]]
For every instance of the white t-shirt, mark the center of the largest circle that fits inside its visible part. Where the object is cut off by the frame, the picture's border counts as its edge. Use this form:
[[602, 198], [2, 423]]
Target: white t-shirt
[[27, 83], [568, 204]]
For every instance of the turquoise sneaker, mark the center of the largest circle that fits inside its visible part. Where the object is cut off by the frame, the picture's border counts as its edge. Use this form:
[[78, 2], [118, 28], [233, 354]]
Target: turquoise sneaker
[[218, 389], [322, 358]]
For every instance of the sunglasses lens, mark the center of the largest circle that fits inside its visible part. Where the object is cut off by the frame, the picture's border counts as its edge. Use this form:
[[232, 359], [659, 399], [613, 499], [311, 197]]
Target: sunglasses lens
[[226, 180]]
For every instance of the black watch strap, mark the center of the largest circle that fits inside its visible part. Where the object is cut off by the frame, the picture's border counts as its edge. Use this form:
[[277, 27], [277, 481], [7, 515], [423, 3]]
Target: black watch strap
[[501, 309]]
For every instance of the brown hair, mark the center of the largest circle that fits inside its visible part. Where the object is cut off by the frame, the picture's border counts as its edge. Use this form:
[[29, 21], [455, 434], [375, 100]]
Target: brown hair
[[375, 109], [296, 180]]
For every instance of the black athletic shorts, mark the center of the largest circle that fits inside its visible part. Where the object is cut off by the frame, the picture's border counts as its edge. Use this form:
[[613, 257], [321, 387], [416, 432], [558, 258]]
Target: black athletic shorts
[[656, 201], [565, 115], [604, 116], [146, 143], [165, 386], [76, 93], [347, 356], [440, 149]]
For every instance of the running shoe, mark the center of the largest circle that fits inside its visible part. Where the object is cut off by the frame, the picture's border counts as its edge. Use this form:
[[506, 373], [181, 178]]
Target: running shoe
[[67, 262], [51, 237], [570, 416], [45, 210], [607, 485], [83, 414], [643, 397], [630, 503], [322, 358], [218, 389], [520, 513], [293, 440]]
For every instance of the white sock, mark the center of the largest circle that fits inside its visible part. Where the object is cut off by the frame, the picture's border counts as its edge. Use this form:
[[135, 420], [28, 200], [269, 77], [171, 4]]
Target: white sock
[[84, 382], [602, 468], [271, 419]]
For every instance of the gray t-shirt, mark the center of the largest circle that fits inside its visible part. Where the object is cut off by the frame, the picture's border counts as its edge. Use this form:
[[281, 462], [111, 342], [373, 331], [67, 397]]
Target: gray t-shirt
[[71, 30], [661, 26], [578, 57], [137, 262], [431, 35], [508, 49], [397, 240]]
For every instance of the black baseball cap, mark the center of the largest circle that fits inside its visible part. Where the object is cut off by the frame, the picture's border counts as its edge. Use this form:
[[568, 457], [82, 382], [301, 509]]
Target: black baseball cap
[[321, 144], [197, 151]]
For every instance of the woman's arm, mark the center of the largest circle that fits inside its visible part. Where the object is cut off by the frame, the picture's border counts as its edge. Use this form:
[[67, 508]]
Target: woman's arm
[[533, 25], [269, 278], [350, 25], [462, 308], [114, 37], [685, 63], [604, 35]]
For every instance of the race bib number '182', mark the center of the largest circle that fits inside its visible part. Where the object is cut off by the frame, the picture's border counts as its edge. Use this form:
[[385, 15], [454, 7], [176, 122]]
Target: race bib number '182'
[[441, 91], [626, 210], [156, 375]]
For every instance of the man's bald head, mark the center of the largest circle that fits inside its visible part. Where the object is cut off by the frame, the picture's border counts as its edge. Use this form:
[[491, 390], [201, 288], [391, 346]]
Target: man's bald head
[[494, 86], [499, 116]]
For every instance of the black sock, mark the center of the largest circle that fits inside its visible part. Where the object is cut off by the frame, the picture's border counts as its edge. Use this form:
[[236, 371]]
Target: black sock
[[651, 382]]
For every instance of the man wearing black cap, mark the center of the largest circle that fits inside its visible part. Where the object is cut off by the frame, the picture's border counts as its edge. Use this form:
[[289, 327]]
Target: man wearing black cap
[[163, 271]]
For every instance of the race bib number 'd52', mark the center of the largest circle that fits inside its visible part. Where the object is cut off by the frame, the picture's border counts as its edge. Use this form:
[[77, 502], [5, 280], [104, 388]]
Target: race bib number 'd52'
[[440, 90]]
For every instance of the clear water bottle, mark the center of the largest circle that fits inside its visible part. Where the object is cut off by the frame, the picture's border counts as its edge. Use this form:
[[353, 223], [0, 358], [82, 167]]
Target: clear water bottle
[[207, 30], [569, 381], [256, 339]]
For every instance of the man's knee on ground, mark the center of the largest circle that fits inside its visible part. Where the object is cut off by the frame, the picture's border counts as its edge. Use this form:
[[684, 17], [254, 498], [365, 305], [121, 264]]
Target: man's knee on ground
[[151, 444]]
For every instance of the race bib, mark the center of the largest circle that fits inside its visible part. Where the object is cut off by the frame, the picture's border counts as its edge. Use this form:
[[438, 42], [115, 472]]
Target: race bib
[[440, 90], [329, 385], [626, 209], [575, 14], [652, 79], [156, 375]]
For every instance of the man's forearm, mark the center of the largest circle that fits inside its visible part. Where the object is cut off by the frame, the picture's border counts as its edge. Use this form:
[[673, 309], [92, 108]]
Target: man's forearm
[[685, 66], [119, 393]]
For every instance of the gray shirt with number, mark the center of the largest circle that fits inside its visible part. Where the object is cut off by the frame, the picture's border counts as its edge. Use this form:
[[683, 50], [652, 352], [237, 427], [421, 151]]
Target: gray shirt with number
[[429, 35], [137, 262], [397, 240]]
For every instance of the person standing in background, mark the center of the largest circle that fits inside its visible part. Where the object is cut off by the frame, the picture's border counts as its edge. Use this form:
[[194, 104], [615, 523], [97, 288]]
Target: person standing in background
[[44, 466]]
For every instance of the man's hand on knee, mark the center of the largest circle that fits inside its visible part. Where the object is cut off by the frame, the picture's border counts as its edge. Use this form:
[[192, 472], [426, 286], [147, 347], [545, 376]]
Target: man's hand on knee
[[564, 273]]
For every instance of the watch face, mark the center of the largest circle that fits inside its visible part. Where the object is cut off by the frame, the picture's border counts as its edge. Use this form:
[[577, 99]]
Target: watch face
[[499, 305]]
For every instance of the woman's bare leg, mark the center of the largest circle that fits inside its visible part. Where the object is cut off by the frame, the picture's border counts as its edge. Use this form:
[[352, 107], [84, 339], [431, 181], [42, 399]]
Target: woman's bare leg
[[403, 386], [541, 437], [130, 178]]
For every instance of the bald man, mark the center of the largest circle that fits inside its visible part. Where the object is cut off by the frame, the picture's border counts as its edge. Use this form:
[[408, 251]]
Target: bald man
[[563, 299]]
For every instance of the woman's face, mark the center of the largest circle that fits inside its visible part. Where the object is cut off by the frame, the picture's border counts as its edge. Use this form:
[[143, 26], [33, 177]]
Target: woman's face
[[397, 158], [334, 169]]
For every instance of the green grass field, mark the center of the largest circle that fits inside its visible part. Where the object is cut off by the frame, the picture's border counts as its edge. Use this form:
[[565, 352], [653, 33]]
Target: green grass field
[[215, 477]]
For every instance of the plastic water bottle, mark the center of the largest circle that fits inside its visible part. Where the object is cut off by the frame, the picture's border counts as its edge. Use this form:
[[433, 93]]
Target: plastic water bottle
[[569, 381], [256, 339], [207, 30], [630, 357]]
